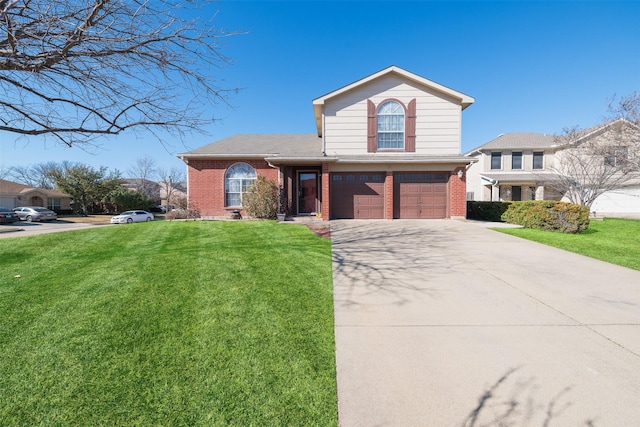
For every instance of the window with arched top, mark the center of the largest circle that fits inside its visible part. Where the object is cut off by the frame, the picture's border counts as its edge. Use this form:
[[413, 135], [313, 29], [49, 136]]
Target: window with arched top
[[237, 181], [391, 126]]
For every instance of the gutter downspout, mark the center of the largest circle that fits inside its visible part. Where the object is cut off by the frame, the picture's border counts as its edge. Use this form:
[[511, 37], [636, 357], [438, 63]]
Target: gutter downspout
[[279, 184], [324, 135]]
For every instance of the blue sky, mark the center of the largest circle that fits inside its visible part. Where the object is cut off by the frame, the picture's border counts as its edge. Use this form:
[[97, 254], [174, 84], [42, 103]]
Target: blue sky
[[531, 66]]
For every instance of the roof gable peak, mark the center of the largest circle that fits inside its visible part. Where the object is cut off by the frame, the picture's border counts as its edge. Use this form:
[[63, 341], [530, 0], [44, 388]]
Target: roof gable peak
[[318, 103]]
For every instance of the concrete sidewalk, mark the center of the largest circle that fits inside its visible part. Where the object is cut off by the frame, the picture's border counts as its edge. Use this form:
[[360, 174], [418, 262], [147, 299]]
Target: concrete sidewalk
[[447, 323]]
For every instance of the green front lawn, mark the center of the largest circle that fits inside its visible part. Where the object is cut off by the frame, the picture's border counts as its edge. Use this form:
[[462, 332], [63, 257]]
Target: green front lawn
[[612, 240], [168, 323]]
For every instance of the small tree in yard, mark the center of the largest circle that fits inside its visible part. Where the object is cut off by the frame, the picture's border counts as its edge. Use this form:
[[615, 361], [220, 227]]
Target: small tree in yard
[[261, 201], [85, 184]]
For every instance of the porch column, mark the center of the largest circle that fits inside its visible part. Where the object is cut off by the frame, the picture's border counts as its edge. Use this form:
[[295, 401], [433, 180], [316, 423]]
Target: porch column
[[325, 192], [388, 195]]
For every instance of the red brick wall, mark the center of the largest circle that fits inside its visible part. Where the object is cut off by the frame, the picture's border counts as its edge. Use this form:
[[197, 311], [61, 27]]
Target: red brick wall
[[388, 195], [325, 192], [458, 194], [206, 183]]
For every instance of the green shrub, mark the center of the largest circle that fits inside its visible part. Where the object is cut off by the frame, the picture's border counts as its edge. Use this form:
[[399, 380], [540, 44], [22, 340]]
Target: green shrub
[[261, 201], [486, 211], [122, 199], [548, 215]]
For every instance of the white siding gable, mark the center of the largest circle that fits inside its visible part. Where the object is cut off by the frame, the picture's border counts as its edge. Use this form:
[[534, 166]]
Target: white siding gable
[[438, 117]]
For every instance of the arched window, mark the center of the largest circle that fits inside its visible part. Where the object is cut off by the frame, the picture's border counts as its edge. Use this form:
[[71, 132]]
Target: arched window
[[237, 181], [391, 126]]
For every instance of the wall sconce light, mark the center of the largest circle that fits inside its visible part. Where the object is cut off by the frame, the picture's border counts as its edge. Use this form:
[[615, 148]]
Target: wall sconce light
[[460, 174]]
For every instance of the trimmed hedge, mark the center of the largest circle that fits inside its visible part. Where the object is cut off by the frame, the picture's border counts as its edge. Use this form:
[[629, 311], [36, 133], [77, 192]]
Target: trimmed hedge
[[486, 211], [548, 215]]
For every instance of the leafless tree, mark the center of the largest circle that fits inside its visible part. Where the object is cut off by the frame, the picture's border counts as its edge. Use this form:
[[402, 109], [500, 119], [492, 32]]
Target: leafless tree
[[77, 70], [37, 175], [4, 172], [143, 172], [594, 161], [626, 107], [171, 180]]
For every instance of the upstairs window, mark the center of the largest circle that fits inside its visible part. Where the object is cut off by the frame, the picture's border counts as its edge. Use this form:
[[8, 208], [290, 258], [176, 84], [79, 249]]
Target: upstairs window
[[516, 160], [496, 160], [237, 181], [616, 157], [538, 160], [391, 126]]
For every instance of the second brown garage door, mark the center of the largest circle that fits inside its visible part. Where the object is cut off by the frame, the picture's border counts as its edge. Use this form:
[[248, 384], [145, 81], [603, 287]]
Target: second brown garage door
[[420, 195], [357, 195]]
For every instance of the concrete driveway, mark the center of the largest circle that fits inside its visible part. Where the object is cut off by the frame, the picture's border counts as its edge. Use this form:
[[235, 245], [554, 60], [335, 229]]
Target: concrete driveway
[[447, 323]]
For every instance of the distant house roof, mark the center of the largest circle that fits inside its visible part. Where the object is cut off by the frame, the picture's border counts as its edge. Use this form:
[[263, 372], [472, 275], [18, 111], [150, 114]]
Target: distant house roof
[[530, 140], [318, 103], [14, 189], [260, 146], [517, 141]]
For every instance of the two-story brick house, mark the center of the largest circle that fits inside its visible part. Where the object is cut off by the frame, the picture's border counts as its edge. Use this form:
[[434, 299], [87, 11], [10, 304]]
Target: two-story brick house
[[386, 146]]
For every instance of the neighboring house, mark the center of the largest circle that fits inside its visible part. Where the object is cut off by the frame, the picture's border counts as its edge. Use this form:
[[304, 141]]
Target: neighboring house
[[172, 192], [513, 167], [386, 146], [524, 166], [160, 191], [147, 187], [13, 194]]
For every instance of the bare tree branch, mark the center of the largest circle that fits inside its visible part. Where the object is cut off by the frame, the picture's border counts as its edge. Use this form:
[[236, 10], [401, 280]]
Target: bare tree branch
[[171, 180], [77, 70], [594, 161]]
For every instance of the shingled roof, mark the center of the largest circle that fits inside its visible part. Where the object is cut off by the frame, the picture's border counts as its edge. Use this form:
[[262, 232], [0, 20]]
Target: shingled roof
[[518, 141], [260, 146], [14, 188]]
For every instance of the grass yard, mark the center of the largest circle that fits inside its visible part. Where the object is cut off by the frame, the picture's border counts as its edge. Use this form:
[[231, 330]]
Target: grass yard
[[168, 323], [612, 240]]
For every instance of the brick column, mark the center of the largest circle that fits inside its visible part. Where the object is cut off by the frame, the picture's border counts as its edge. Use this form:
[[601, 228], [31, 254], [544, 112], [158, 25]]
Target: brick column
[[388, 195], [458, 196], [325, 192]]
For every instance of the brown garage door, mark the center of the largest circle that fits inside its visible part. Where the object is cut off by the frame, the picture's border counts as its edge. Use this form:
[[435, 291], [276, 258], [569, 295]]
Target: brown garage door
[[420, 195], [357, 195]]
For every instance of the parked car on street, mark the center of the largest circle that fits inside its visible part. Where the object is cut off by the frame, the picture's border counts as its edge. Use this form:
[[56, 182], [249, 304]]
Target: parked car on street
[[7, 216], [132, 216], [158, 209], [35, 213]]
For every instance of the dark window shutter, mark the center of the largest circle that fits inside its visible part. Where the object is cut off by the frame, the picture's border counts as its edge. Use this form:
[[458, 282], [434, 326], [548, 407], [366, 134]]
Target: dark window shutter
[[410, 127], [372, 134]]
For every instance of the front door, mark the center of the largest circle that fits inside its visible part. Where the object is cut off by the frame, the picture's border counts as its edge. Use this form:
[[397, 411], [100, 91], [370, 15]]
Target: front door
[[516, 193], [307, 193]]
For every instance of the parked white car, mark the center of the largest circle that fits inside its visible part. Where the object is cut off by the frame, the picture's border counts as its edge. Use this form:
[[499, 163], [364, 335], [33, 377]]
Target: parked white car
[[128, 217]]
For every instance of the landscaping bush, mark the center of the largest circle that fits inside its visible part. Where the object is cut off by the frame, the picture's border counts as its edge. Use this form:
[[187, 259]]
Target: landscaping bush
[[261, 201], [548, 215], [183, 214], [486, 211]]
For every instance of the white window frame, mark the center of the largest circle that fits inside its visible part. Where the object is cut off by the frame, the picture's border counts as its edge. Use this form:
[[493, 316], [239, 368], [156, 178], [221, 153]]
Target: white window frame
[[391, 126], [541, 155], [498, 155], [237, 180]]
